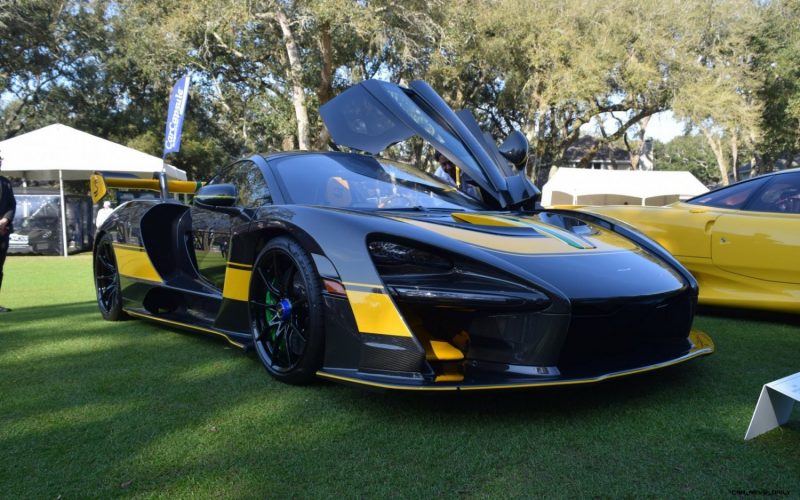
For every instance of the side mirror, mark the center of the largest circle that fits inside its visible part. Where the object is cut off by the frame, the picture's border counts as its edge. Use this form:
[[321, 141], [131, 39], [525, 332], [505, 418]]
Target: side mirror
[[515, 148], [216, 196]]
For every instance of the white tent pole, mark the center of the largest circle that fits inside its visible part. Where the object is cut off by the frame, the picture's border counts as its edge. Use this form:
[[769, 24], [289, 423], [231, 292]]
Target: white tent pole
[[63, 213]]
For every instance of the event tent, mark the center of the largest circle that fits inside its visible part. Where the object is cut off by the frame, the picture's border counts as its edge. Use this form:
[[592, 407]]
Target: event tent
[[58, 152], [581, 186], [43, 153]]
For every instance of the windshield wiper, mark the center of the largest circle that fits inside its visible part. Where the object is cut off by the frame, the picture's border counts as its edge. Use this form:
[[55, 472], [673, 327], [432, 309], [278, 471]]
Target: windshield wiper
[[416, 208], [419, 208]]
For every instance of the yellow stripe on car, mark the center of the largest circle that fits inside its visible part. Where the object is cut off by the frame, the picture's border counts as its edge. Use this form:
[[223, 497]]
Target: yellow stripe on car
[[98, 185], [444, 351], [510, 221], [484, 219], [512, 244], [185, 325], [376, 313], [133, 262], [237, 282]]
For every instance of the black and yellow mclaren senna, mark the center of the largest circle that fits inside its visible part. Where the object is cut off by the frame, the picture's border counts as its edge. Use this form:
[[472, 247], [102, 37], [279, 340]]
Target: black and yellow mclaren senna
[[352, 267]]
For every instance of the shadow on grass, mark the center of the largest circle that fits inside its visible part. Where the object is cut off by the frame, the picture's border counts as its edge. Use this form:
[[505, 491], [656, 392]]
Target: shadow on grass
[[133, 341], [67, 413], [19, 319], [677, 379], [143, 411]]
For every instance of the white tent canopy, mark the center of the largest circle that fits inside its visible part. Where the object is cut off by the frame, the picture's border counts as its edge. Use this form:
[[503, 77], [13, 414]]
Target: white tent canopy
[[581, 186], [43, 153], [58, 152]]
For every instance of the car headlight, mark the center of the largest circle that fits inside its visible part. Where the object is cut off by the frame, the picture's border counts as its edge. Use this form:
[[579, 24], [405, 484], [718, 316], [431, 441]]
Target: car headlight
[[414, 274], [397, 258]]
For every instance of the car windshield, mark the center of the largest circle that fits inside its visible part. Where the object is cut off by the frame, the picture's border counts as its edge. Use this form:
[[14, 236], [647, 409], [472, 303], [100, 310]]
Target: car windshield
[[733, 196], [367, 183]]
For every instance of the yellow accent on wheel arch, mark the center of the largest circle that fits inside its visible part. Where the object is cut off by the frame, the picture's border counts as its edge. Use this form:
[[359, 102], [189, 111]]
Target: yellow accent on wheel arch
[[237, 284], [376, 313], [133, 262]]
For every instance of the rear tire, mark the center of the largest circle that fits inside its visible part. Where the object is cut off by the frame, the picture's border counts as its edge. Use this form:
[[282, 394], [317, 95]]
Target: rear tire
[[286, 312], [106, 281]]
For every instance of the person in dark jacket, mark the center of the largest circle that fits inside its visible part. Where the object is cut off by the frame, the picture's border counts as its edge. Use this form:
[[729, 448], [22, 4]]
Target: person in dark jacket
[[8, 205]]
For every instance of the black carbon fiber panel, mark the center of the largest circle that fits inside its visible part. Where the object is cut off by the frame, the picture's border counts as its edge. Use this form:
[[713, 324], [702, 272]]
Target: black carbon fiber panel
[[390, 353]]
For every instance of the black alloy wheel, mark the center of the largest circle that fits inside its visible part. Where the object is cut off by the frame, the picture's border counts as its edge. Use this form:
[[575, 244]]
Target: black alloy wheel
[[286, 312], [106, 281]]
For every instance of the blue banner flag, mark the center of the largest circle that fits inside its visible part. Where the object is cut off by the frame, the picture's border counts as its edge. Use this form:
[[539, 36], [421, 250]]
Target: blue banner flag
[[177, 107]]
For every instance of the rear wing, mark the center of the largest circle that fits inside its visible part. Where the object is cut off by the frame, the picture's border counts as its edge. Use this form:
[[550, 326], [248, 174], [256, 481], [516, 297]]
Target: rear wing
[[99, 184]]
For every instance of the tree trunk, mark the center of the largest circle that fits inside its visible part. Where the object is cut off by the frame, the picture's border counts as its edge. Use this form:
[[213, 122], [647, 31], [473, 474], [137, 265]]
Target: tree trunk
[[296, 80], [735, 157], [755, 160], [636, 158], [325, 90], [532, 166], [716, 147]]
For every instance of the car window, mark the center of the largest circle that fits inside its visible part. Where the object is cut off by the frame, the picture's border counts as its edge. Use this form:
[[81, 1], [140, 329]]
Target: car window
[[781, 195], [364, 182], [248, 179], [734, 196]]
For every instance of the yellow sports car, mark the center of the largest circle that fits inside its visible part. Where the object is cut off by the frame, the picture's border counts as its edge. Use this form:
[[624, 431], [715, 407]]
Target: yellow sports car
[[741, 242]]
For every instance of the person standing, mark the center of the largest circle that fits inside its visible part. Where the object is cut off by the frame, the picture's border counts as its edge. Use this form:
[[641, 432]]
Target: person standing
[[103, 214], [8, 205], [447, 172]]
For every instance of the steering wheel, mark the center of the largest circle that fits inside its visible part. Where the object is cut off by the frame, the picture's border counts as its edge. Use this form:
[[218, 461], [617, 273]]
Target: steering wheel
[[397, 201]]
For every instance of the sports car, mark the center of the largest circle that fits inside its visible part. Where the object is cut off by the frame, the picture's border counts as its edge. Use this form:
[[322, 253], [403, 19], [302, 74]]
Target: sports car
[[349, 266], [741, 242]]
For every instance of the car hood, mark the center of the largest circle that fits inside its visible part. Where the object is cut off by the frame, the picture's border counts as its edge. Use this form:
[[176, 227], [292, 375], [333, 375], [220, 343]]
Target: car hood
[[524, 234], [584, 261], [373, 115]]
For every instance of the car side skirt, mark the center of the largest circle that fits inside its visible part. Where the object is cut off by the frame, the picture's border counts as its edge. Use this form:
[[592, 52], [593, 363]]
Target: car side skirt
[[232, 338]]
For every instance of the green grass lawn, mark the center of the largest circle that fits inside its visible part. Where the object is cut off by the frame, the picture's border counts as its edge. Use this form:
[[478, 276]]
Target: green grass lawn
[[99, 409]]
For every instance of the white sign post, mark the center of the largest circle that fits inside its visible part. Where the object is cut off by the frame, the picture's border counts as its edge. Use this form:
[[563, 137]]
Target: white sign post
[[774, 405]]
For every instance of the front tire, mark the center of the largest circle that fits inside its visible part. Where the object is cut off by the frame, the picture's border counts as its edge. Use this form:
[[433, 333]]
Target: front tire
[[106, 281], [286, 312]]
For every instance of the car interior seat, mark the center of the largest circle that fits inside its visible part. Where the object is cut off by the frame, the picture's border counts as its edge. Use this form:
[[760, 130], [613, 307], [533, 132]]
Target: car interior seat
[[793, 205], [337, 193]]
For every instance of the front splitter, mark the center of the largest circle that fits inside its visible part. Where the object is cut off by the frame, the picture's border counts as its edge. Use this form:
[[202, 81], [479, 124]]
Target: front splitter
[[702, 345]]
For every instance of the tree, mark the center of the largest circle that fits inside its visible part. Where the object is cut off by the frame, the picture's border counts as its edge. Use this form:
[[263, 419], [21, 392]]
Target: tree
[[548, 68], [62, 63], [273, 62], [776, 44], [262, 68], [687, 153], [717, 95], [45, 53]]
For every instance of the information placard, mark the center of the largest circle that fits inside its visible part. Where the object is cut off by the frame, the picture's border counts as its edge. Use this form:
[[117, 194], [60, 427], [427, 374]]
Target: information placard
[[774, 405]]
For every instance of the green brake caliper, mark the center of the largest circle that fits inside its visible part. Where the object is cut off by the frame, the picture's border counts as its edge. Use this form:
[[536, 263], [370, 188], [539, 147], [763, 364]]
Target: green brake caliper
[[270, 301]]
